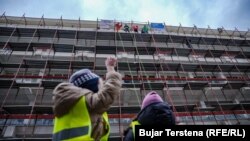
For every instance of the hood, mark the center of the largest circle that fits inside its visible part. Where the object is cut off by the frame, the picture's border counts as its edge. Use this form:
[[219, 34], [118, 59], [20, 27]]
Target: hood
[[65, 96], [156, 114]]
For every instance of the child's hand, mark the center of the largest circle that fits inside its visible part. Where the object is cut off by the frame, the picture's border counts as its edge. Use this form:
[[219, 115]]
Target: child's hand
[[110, 63]]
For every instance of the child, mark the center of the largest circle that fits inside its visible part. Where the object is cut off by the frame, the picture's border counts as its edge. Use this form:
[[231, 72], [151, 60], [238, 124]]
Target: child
[[154, 111], [80, 106]]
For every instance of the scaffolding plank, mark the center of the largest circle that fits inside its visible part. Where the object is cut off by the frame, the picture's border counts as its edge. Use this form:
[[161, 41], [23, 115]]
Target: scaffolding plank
[[190, 67], [234, 85], [12, 65], [240, 55], [63, 48], [58, 64], [227, 106], [124, 110], [206, 67], [178, 38], [142, 37], [128, 66], [153, 86], [224, 68], [160, 38], [176, 84], [105, 35], [171, 66], [66, 34], [149, 66], [34, 63], [131, 85], [6, 31], [184, 108], [7, 83], [84, 48], [42, 109], [27, 32], [216, 84], [28, 84], [198, 85], [182, 52], [47, 33], [214, 53], [145, 50], [50, 84], [88, 35], [242, 68], [105, 49], [20, 47], [26, 109], [124, 36], [82, 64]]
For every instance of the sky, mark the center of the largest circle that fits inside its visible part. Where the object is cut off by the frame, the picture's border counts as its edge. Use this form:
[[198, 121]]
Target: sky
[[215, 13]]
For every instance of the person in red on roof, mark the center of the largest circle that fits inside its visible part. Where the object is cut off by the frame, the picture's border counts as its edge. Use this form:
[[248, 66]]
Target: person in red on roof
[[135, 28], [118, 26]]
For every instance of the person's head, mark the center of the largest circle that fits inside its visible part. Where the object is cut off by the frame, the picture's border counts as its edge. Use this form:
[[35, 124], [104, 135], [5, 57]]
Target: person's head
[[86, 79], [150, 98]]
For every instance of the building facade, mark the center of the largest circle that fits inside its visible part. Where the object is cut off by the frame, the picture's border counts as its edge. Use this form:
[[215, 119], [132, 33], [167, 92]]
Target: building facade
[[202, 73]]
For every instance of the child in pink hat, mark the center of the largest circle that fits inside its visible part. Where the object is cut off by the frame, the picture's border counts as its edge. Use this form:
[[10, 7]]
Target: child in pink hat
[[151, 97], [154, 112]]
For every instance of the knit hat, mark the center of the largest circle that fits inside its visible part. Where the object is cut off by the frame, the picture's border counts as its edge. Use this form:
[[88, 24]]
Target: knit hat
[[151, 97], [85, 79]]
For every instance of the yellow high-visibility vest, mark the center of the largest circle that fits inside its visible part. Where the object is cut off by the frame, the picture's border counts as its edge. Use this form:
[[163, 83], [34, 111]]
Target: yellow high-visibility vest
[[132, 125], [76, 124]]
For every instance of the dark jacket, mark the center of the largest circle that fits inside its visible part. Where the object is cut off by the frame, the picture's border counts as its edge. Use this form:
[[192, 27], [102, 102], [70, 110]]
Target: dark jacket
[[154, 114]]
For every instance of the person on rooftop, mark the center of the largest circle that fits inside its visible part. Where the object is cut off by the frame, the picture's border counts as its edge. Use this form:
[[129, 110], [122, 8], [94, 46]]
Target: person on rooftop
[[126, 28], [118, 26], [144, 29], [135, 28]]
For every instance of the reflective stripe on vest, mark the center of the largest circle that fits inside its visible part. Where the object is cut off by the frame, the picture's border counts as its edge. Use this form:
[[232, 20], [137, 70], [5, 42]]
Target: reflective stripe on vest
[[70, 133], [76, 124], [132, 125]]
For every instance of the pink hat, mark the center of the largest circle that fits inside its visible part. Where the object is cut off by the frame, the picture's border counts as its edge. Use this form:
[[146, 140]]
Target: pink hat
[[151, 97]]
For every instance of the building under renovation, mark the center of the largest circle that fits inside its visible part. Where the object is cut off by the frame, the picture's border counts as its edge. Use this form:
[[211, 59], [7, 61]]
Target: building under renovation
[[203, 73]]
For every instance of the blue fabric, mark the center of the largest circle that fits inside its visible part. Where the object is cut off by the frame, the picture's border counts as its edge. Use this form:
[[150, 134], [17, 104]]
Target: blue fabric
[[85, 79], [128, 135], [157, 25], [91, 85]]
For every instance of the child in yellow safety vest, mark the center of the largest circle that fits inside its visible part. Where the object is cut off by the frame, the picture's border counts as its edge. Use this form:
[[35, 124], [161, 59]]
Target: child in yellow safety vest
[[80, 105]]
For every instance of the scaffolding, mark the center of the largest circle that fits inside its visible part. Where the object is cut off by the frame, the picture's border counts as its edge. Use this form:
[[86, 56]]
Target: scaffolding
[[202, 73]]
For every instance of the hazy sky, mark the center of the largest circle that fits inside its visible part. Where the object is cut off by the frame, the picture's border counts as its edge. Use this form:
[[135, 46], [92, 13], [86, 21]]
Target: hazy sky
[[216, 13]]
